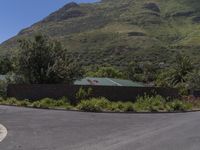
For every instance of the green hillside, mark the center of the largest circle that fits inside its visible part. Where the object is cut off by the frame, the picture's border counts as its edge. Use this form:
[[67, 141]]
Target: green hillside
[[119, 31]]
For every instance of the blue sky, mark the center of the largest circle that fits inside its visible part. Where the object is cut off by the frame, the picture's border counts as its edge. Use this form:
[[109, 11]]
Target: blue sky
[[18, 14]]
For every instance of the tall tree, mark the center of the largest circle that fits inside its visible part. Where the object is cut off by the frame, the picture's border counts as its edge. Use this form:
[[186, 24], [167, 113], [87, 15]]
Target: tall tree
[[43, 60]]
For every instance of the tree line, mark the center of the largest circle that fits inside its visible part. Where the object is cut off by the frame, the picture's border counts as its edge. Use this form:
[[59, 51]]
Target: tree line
[[44, 61]]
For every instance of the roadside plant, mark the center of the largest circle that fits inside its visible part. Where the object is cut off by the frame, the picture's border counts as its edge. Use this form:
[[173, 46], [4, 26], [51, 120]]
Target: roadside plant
[[121, 107], [94, 105], [178, 105], [150, 103], [52, 103], [143, 104], [83, 93]]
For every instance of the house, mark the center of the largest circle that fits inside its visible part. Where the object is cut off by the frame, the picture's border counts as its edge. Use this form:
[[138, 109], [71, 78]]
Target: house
[[108, 82]]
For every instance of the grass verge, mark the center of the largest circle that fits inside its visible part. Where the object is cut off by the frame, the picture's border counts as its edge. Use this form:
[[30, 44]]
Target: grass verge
[[142, 104]]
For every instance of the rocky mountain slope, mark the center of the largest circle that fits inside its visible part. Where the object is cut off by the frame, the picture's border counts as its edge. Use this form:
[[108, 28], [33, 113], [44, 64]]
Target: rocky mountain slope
[[119, 31]]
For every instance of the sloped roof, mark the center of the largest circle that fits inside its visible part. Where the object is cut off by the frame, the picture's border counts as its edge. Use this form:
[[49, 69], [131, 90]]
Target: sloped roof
[[107, 82]]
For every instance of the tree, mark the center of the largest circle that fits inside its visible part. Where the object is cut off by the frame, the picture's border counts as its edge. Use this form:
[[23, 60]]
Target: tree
[[164, 78], [194, 80], [178, 76], [45, 61], [182, 67], [133, 70], [108, 72], [5, 65], [143, 72]]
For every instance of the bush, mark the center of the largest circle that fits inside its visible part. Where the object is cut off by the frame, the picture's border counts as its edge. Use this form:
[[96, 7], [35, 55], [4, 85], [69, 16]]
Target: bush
[[102, 104], [3, 86], [158, 103], [51, 103], [94, 105], [121, 107], [178, 105], [150, 103], [106, 72], [143, 104], [25, 103], [83, 93], [183, 88], [11, 101], [128, 106]]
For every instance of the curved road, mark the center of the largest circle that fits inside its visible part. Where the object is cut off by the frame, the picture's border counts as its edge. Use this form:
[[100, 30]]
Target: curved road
[[33, 129]]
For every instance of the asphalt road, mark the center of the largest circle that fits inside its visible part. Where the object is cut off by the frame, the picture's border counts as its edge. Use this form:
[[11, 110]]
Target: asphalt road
[[33, 129]]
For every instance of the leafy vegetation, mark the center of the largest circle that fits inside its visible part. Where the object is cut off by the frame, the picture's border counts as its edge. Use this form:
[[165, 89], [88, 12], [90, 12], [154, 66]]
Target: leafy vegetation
[[94, 105], [43, 103], [181, 75], [45, 61], [142, 104], [158, 103], [149, 103], [106, 72], [50, 103], [138, 40], [84, 93], [117, 32], [143, 72], [6, 65]]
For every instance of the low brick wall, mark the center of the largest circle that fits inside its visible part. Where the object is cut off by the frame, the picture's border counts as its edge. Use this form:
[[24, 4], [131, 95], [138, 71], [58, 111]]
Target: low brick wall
[[38, 91]]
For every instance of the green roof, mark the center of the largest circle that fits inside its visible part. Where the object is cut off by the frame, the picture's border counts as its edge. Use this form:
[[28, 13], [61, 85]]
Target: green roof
[[108, 82]]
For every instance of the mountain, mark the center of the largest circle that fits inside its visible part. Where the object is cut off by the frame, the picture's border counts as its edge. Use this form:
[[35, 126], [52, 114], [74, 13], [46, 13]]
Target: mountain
[[119, 31]]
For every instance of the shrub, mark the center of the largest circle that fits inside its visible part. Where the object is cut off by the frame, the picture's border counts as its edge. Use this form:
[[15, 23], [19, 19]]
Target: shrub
[[63, 103], [102, 104], [121, 106], [178, 105], [158, 103], [150, 103], [14, 101], [11, 101], [182, 88], [94, 105], [25, 103], [51, 103], [129, 107], [36, 104], [116, 106], [3, 86], [83, 93], [106, 72], [145, 103]]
